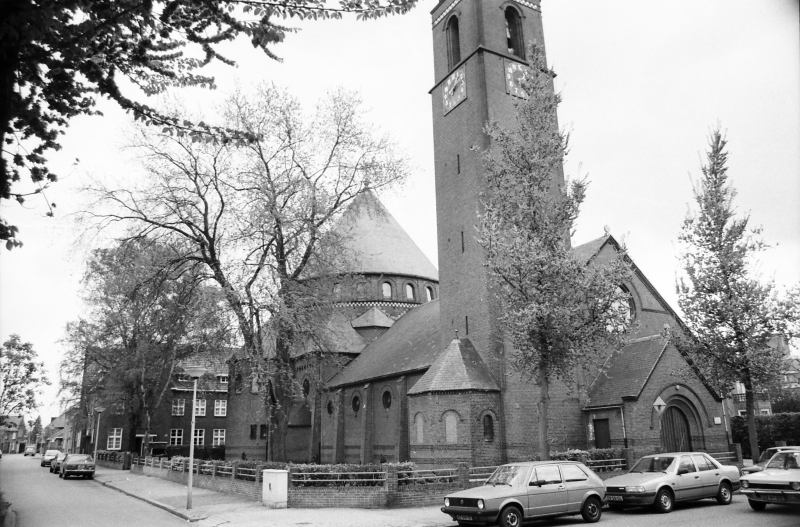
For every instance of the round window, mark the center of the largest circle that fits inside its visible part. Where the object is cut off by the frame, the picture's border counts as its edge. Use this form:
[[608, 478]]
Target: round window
[[306, 388], [330, 407], [387, 399], [356, 403]]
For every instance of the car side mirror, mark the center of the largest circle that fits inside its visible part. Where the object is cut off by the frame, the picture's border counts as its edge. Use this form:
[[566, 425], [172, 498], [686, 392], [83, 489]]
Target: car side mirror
[[682, 471]]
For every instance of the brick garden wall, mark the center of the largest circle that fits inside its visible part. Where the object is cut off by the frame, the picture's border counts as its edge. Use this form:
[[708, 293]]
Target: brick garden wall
[[221, 484]]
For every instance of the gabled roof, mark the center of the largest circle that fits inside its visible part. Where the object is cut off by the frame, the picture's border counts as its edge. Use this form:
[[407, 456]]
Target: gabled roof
[[372, 318], [588, 250], [410, 345], [626, 371], [458, 368], [377, 244]]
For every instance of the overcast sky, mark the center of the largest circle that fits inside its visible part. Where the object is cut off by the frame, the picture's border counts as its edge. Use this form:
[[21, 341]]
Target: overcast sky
[[642, 82]]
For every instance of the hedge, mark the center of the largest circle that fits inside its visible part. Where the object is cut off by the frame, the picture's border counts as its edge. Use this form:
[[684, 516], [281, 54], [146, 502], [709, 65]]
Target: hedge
[[200, 452], [769, 428]]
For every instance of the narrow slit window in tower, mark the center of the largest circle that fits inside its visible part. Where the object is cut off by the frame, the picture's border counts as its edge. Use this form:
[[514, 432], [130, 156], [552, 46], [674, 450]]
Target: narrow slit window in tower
[[514, 33], [453, 43]]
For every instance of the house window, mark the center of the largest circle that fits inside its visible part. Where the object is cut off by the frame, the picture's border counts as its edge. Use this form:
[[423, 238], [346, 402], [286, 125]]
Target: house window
[[409, 292], [253, 431], [386, 288], [453, 43], [220, 408], [263, 431], [488, 428], [451, 427], [182, 377], [514, 33], [386, 399], [178, 406], [429, 293], [764, 411], [419, 423], [114, 441], [200, 407], [219, 437], [356, 403], [222, 379], [200, 437], [176, 436]]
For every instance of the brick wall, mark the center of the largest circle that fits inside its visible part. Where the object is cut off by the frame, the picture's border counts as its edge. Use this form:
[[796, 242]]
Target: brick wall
[[221, 484]]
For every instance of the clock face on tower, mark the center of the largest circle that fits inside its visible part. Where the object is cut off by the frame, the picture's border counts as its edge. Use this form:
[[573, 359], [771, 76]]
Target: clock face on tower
[[515, 74], [454, 89]]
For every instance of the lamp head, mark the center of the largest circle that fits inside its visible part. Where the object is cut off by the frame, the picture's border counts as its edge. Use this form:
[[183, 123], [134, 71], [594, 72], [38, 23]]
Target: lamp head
[[195, 372], [99, 409]]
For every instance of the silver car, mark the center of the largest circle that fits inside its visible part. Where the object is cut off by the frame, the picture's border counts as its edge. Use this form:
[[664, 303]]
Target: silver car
[[518, 492], [661, 480], [766, 455], [779, 482]]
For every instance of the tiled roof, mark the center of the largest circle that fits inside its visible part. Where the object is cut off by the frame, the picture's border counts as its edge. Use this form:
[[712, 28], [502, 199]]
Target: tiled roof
[[586, 251], [411, 344], [458, 368], [377, 243], [339, 336], [372, 318], [626, 371], [214, 361]]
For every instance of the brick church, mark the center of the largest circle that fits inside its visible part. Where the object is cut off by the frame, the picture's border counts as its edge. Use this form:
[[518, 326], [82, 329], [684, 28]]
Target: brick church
[[427, 375]]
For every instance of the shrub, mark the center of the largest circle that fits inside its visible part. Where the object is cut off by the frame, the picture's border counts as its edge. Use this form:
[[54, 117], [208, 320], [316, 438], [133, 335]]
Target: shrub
[[769, 428]]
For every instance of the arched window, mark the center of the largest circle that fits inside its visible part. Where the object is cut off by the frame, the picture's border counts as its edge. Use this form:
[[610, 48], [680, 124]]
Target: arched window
[[429, 293], [488, 428], [330, 407], [361, 290], [386, 288], [386, 399], [516, 44], [337, 291], [356, 403], [419, 423], [306, 387], [409, 292], [238, 383], [451, 427], [453, 43]]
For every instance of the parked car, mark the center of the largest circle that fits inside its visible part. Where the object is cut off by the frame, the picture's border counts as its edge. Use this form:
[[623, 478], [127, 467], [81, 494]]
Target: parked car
[[517, 492], [77, 465], [48, 456], [663, 479], [766, 455], [779, 482], [30, 451], [56, 462]]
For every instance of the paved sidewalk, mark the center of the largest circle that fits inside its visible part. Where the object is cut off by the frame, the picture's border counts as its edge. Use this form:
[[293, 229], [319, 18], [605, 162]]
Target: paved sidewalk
[[212, 509]]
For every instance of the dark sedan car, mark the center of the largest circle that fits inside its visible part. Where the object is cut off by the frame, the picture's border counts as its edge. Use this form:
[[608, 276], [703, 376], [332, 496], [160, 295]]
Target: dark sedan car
[[77, 465]]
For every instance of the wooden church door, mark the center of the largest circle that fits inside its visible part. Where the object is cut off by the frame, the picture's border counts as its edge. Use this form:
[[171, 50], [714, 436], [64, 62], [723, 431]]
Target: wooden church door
[[675, 431]]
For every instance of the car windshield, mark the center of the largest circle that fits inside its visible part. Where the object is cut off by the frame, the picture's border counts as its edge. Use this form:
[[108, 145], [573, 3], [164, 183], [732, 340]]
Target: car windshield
[[654, 464], [785, 460], [51, 453], [77, 458], [767, 454], [508, 475]]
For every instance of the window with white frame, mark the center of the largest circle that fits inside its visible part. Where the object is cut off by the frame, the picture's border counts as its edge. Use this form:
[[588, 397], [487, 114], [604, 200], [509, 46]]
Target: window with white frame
[[178, 406], [219, 437], [114, 441], [200, 407], [222, 379], [199, 437], [220, 408], [176, 436]]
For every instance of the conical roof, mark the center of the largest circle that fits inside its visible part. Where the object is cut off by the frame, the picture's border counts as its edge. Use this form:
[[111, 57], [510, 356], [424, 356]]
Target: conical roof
[[375, 243], [458, 368]]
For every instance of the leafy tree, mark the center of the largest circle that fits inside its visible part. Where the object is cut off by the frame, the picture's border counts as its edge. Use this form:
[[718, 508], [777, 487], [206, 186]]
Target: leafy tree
[[558, 313], [257, 219], [144, 318], [56, 57], [23, 377], [731, 313], [34, 430]]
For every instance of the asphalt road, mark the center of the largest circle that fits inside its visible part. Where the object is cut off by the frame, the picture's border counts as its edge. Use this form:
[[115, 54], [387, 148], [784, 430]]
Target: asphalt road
[[42, 499]]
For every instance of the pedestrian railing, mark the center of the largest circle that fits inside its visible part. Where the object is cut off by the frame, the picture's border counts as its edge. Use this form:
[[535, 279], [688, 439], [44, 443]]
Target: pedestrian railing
[[606, 465], [338, 479], [724, 457], [427, 476], [480, 474]]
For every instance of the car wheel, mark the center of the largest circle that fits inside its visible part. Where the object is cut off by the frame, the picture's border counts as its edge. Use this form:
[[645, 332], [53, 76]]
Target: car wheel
[[724, 494], [757, 505], [591, 511], [90, 476], [664, 501], [510, 517]]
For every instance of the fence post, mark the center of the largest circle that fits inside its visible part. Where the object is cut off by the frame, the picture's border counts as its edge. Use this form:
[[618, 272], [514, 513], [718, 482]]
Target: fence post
[[391, 484], [213, 470], [737, 448], [462, 471], [234, 466]]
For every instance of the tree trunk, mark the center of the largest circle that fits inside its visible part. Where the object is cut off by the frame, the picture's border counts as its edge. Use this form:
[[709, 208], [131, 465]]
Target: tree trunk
[[544, 397], [750, 407]]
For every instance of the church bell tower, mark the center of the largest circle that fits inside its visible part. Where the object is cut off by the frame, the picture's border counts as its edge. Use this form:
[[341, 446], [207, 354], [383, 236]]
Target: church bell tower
[[479, 51]]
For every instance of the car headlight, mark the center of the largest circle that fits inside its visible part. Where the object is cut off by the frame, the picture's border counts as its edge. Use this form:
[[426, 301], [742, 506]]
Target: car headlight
[[634, 489], [446, 502], [795, 485], [480, 504], [745, 484]]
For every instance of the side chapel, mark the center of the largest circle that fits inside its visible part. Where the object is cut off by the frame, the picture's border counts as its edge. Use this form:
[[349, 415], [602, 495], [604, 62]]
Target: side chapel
[[428, 378]]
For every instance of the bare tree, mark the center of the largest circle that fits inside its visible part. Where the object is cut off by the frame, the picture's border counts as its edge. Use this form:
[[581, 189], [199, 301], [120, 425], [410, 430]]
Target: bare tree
[[257, 217]]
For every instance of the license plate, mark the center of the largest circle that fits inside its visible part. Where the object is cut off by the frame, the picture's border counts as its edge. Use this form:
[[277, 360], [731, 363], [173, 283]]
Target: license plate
[[614, 498], [464, 518], [772, 497]]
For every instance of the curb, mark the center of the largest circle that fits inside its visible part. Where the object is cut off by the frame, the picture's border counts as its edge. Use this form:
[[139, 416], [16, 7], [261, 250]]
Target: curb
[[155, 503]]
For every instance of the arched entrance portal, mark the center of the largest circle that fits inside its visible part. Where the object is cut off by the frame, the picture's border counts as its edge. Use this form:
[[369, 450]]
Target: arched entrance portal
[[675, 431]]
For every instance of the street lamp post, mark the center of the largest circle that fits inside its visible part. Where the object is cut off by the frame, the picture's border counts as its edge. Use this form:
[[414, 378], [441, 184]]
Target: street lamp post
[[195, 372], [99, 410]]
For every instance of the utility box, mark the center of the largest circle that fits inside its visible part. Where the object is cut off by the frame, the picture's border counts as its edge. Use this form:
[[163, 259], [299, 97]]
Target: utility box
[[275, 492]]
